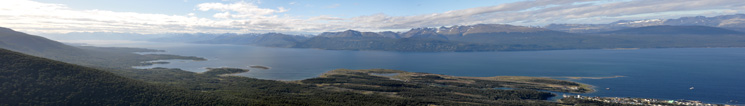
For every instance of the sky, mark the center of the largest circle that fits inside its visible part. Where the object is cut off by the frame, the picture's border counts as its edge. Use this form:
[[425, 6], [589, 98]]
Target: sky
[[316, 16]]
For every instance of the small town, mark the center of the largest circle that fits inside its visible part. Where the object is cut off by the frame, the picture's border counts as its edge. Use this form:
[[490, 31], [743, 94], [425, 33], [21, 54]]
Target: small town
[[643, 101]]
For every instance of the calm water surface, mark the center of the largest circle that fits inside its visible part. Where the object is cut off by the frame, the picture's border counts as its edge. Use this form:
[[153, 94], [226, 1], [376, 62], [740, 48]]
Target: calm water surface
[[718, 74]]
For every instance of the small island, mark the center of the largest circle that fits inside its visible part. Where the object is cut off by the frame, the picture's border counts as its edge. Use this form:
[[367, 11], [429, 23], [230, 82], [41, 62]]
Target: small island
[[223, 71], [260, 67], [155, 62], [172, 57], [580, 78]]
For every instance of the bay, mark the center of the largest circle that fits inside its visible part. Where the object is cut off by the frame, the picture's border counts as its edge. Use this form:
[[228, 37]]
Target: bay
[[716, 73]]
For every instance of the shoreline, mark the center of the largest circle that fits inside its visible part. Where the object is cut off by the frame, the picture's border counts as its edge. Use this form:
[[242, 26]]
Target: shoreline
[[580, 78]]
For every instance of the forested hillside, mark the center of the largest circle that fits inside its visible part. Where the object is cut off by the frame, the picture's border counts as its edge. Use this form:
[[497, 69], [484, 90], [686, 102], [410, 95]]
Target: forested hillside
[[87, 56], [28, 80]]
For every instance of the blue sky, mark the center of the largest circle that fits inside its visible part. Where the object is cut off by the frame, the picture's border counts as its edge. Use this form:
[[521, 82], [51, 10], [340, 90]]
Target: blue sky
[[306, 16]]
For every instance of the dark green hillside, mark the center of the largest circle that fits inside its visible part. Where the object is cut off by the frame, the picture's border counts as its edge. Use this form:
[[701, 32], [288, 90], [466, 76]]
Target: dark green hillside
[[118, 57], [86, 55], [28, 80], [224, 71], [676, 30], [35, 45]]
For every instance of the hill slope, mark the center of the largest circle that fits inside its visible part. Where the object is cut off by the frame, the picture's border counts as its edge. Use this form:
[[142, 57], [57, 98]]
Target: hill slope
[[28, 80], [35, 45], [87, 56]]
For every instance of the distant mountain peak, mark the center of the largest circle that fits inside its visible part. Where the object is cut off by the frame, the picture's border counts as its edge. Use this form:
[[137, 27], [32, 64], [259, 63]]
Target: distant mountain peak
[[473, 29], [733, 22], [502, 28], [5, 29], [647, 22], [347, 33], [353, 32], [676, 30]]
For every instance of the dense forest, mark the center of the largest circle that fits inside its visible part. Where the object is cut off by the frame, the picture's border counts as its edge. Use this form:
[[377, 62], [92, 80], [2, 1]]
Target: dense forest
[[28, 80]]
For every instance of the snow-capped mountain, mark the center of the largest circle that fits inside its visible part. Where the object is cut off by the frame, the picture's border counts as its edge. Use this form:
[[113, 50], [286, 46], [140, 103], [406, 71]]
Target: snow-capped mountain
[[732, 22]]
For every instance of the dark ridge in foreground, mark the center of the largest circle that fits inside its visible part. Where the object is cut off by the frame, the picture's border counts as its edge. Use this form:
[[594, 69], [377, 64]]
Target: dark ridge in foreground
[[28, 80]]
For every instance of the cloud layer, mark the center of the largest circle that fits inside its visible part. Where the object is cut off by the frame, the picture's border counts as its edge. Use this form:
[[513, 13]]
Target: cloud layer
[[246, 17]]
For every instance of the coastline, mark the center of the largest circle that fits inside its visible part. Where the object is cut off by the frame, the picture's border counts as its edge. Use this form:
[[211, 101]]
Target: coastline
[[518, 82], [580, 78]]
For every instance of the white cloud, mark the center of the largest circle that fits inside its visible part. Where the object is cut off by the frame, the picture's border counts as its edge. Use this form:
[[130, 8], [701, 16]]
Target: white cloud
[[54, 18], [541, 12], [325, 17], [243, 17], [242, 9], [223, 15]]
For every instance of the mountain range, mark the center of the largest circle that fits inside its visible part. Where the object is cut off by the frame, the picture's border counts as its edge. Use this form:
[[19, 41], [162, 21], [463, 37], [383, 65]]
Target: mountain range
[[503, 37], [497, 37], [675, 30], [267, 39], [732, 22]]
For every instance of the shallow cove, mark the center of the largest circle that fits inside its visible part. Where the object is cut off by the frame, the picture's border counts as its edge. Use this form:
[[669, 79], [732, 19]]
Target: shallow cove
[[716, 73]]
